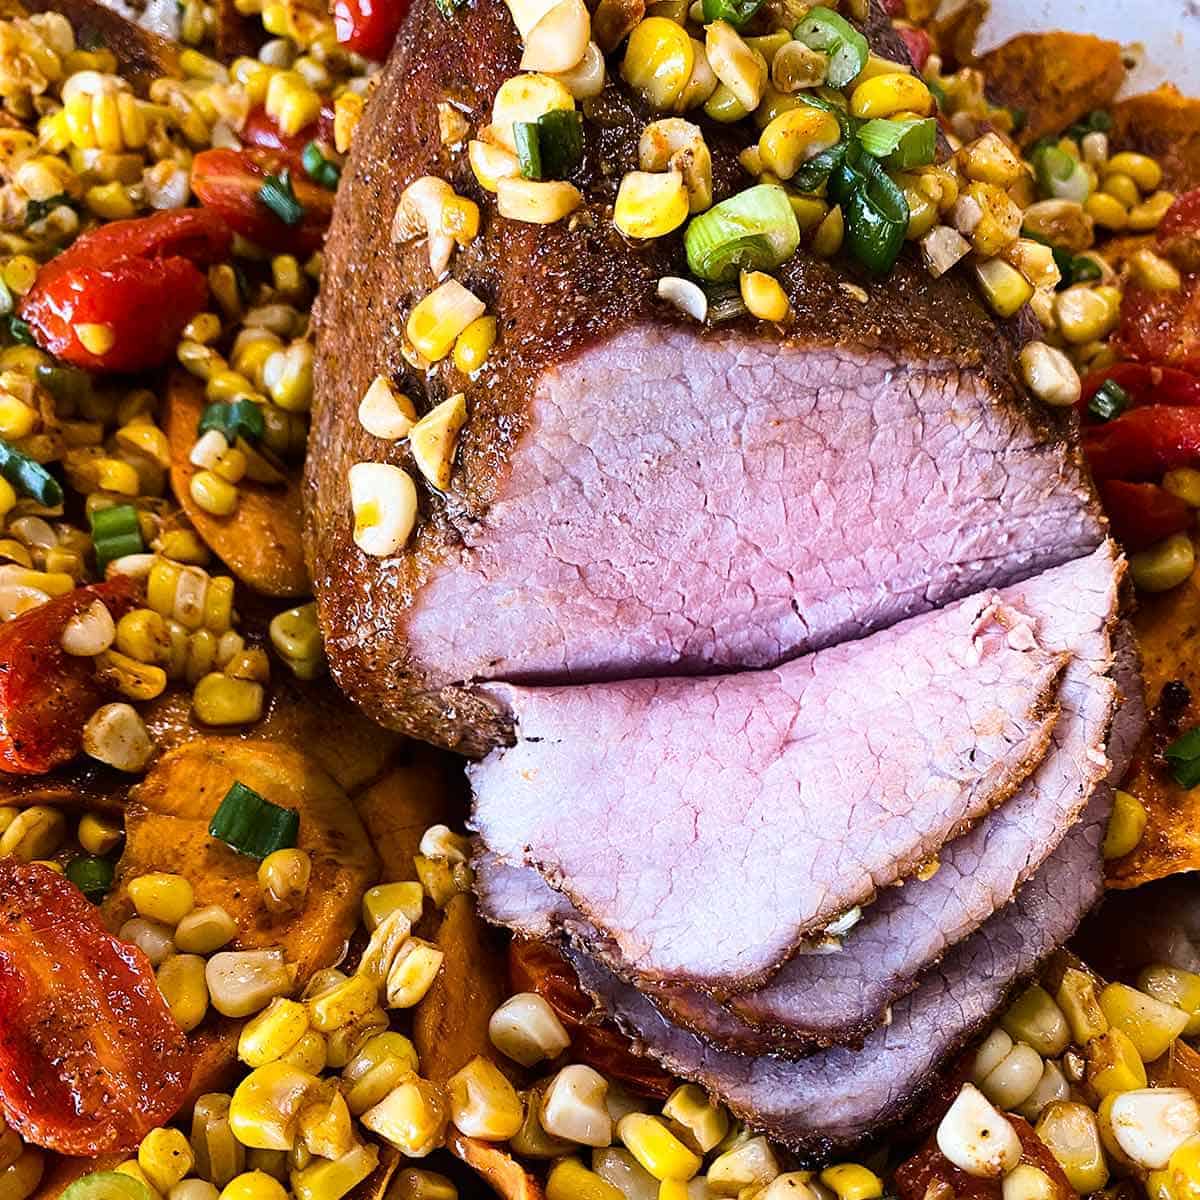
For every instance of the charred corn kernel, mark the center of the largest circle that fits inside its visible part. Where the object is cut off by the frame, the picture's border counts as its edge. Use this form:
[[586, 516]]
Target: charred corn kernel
[[1012, 1081], [1070, 1133], [1164, 565], [291, 102], [347, 112], [414, 1184], [482, 1102], [1125, 825], [254, 1185], [474, 344], [763, 296], [273, 1032], [1183, 1171], [161, 896], [384, 501], [1149, 214], [1107, 211], [988, 217], [436, 322], [1050, 375], [265, 1108], [343, 1004], [98, 834], [165, 1157], [219, 700], [1035, 1018], [1143, 170], [205, 930], [649, 205], [748, 1164], [658, 1150], [181, 982], [573, 1107], [1004, 288], [852, 1181], [1080, 1004], [889, 94], [385, 898], [412, 973], [525, 98], [95, 337], [569, 1179], [1150, 1024], [1083, 315], [288, 377], [137, 681], [659, 59], [384, 1062], [412, 1117], [115, 734], [1154, 272], [1184, 482], [1113, 1063], [831, 232], [794, 137], [526, 1029], [142, 635], [536, 202], [977, 1138], [34, 833], [332, 1179]]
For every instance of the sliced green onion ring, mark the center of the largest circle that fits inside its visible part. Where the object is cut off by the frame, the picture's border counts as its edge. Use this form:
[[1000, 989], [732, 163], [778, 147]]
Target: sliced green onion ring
[[528, 140], [1110, 401], [29, 478], [875, 210], [107, 1185], [900, 144], [822, 29], [91, 875], [116, 532], [252, 825], [818, 169], [560, 140], [318, 168], [736, 12], [1184, 758], [233, 418], [754, 230], [277, 194], [1060, 176]]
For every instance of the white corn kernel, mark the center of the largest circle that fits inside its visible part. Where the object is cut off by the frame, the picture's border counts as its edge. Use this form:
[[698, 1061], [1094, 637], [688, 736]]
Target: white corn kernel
[[90, 632], [1050, 375], [526, 1029], [242, 982], [116, 734], [977, 1138], [384, 500], [688, 297], [1013, 1080], [434, 440], [1149, 1124], [384, 412], [993, 1050], [573, 1107], [412, 972]]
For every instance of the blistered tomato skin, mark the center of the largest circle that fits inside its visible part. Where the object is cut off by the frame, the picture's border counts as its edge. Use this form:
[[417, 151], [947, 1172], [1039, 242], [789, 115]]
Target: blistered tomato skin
[[47, 695], [261, 131], [90, 1058], [368, 27], [141, 279]]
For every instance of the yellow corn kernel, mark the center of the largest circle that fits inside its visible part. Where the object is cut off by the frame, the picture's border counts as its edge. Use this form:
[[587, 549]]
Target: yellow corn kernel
[[205, 930], [142, 635], [283, 877], [1107, 211], [852, 1181], [19, 273], [436, 322], [131, 1168], [1125, 826], [1083, 315], [525, 98], [182, 984], [705, 1123], [1143, 170], [659, 59], [569, 1179], [134, 680], [161, 896], [308, 1054], [265, 1108], [1035, 1018], [96, 338], [291, 103], [537, 202], [1164, 565], [649, 1140], [220, 700], [213, 494], [412, 972], [763, 296], [1081, 1006], [110, 201], [889, 94], [1149, 214], [343, 1004], [1183, 1171], [17, 419], [1184, 482], [491, 164], [1114, 1064], [1004, 288], [8, 547], [748, 1164], [794, 137], [384, 1061], [1175, 986], [165, 1157], [288, 377], [254, 1185], [142, 437], [650, 205], [1155, 272], [474, 344], [347, 112], [1122, 189], [1150, 1024], [831, 232], [382, 900], [98, 834], [724, 107], [273, 1032], [482, 1102], [330, 1180], [325, 1126], [740, 68], [218, 604], [34, 833], [1070, 1133], [114, 475], [412, 1117]]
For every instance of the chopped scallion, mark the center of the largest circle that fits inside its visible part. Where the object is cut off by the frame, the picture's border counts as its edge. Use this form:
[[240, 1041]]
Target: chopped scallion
[[1183, 755], [20, 332], [319, 169], [875, 210], [64, 383], [277, 194], [1075, 268], [754, 230], [39, 210], [528, 142], [235, 419], [107, 1185], [817, 169], [737, 12], [560, 138], [1060, 176], [901, 144], [822, 29], [252, 825], [91, 875], [1110, 401], [116, 532], [29, 478]]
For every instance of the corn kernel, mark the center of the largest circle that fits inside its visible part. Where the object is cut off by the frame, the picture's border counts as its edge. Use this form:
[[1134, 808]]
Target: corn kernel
[[1125, 826], [887, 95], [1143, 170], [385, 898], [851, 1181], [763, 296], [165, 1158], [205, 930], [220, 700], [483, 1103], [1164, 565], [343, 1004], [474, 344], [569, 1179], [659, 59], [1150, 1024], [254, 1185], [160, 896], [182, 984], [436, 322], [657, 1149], [1114, 1064], [412, 973], [1070, 1133], [412, 1117], [273, 1032], [96, 338]]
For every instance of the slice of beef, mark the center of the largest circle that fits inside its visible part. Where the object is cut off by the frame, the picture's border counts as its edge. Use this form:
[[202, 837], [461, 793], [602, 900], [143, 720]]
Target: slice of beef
[[635, 495], [840, 1097], [822, 998], [769, 801]]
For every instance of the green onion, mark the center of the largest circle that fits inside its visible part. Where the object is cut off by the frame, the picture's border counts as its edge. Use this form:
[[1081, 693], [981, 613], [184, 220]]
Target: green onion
[[822, 29], [754, 230], [560, 138], [901, 144], [1075, 268], [64, 383], [106, 1185], [1060, 176], [91, 875], [39, 210], [20, 332], [1110, 401], [28, 477], [937, 92], [253, 826], [875, 210], [817, 169], [528, 140], [116, 532], [449, 7], [277, 194], [736, 12], [235, 419], [1098, 121], [320, 169], [1184, 757]]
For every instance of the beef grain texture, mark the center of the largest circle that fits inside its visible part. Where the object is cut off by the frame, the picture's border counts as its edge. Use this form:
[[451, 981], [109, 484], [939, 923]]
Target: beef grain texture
[[821, 999], [634, 495], [778, 799], [839, 1098]]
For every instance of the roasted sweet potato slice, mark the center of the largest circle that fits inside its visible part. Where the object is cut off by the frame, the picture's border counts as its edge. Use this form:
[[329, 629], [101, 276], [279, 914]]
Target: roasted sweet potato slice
[[1055, 78], [167, 830], [1164, 124], [500, 1170], [262, 541]]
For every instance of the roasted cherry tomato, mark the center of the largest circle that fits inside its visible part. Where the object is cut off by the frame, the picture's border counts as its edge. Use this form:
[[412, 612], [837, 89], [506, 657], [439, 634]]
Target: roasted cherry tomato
[[918, 44], [262, 131], [47, 695], [230, 182], [1143, 513], [1146, 383], [90, 1057], [141, 279], [538, 967], [1143, 443], [1179, 232], [930, 1173], [1162, 327], [368, 27]]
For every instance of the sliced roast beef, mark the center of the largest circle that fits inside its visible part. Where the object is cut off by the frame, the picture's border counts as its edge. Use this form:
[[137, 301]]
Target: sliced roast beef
[[706, 826], [636, 495], [840, 1097]]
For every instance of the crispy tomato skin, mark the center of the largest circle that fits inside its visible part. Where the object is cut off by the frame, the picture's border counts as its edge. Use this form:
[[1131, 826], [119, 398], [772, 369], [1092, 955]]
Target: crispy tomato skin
[[142, 278], [228, 182], [47, 695], [90, 1058], [368, 27]]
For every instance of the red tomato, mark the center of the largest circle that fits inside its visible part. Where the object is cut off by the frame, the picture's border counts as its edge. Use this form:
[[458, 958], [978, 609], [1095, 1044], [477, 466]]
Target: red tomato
[[139, 277], [538, 967], [90, 1058], [1143, 443], [368, 27], [229, 182], [894, 8], [1143, 513], [918, 44], [47, 695], [261, 130], [1162, 327], [1179, 231], [1145, 383]]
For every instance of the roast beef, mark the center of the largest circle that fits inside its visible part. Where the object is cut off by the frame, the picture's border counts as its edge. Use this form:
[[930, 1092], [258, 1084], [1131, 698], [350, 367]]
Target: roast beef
[[707, 825], [636, 495], [839, 1097]]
